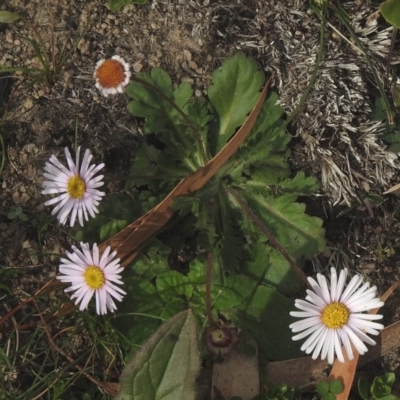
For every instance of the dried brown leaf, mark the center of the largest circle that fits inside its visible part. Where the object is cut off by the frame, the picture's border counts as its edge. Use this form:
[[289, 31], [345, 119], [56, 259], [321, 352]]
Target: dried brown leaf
[[131, 239]]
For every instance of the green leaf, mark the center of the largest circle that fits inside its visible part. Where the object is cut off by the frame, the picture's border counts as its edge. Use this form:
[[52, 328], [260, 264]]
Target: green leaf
[[364, 388], [111, 228], [266, 313], [296, 231], [152, 167], [381, 386], [151, 262], [262, 158], [336, 387], [7, 17], [5, 288], [141, 298], [172, 284], [300, 185], [173, 307], [198, 112], [162, 119], [389, 397], [12, 214], [233, 241], [323, 388], [271, 268], [388, 379], [166, 366], [23, 217], [234, 92], [197, 272], [116, 5], [390, 10], [329, 396]]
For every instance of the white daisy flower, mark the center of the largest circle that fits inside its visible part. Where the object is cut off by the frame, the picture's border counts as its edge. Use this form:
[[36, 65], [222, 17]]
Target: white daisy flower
[[112, 75], [334, 317], [75, 186], [91, 275]]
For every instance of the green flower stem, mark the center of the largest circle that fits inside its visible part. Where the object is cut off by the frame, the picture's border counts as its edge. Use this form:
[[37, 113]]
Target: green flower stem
[[182, 114], [208, 289], [268, 234]]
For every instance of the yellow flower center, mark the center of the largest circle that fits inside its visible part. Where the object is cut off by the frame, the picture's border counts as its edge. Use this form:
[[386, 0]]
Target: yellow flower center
[[335, 315], [110, 74], [94, 277], [76, 187]]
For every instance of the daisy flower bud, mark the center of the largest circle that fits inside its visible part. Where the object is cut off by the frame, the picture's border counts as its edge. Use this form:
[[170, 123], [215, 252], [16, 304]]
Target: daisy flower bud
[[112, 75], [91, 273], [75, 186], [334, 316]]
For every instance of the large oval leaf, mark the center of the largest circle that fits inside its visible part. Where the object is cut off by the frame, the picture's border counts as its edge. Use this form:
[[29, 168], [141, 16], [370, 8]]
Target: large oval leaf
[[166, 366], [390, 10]]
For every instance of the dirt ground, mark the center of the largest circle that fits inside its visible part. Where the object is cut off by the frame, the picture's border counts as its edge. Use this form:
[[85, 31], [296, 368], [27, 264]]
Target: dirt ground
[[334, 137]]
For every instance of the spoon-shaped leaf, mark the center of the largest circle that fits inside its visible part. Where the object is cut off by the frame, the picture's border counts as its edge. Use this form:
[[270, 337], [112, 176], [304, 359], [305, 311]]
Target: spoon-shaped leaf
[[390, 10], [6, 17]]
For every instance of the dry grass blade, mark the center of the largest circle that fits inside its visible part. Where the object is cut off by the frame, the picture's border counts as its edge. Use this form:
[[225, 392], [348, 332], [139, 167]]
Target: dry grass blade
[[131, 239], [392, 189], [345, 372]]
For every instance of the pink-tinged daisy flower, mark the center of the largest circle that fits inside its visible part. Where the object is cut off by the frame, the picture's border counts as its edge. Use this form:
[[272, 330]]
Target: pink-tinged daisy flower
[[112, 75], [76, 187], [90, 274], [334, 316]]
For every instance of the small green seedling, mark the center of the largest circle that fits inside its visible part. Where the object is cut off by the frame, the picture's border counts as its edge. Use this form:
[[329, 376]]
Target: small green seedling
[[329, 390], [282, 392], [380, 388], [116, 5], [51, 68], [17, 213]]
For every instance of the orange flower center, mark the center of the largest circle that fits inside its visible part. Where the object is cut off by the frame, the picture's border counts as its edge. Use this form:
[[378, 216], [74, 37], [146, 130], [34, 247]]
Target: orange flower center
[[110, 74]]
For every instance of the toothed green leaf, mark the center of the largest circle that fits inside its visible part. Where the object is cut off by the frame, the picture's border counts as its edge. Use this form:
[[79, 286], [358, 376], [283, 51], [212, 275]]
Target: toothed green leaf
[[262, 158], [152, 167], [162, 118], [172, 284], [300, 234]]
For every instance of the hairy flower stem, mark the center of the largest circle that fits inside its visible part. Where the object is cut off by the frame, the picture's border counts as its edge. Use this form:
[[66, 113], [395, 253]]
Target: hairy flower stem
[[208, 289], [269, 235], [182, 114]]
